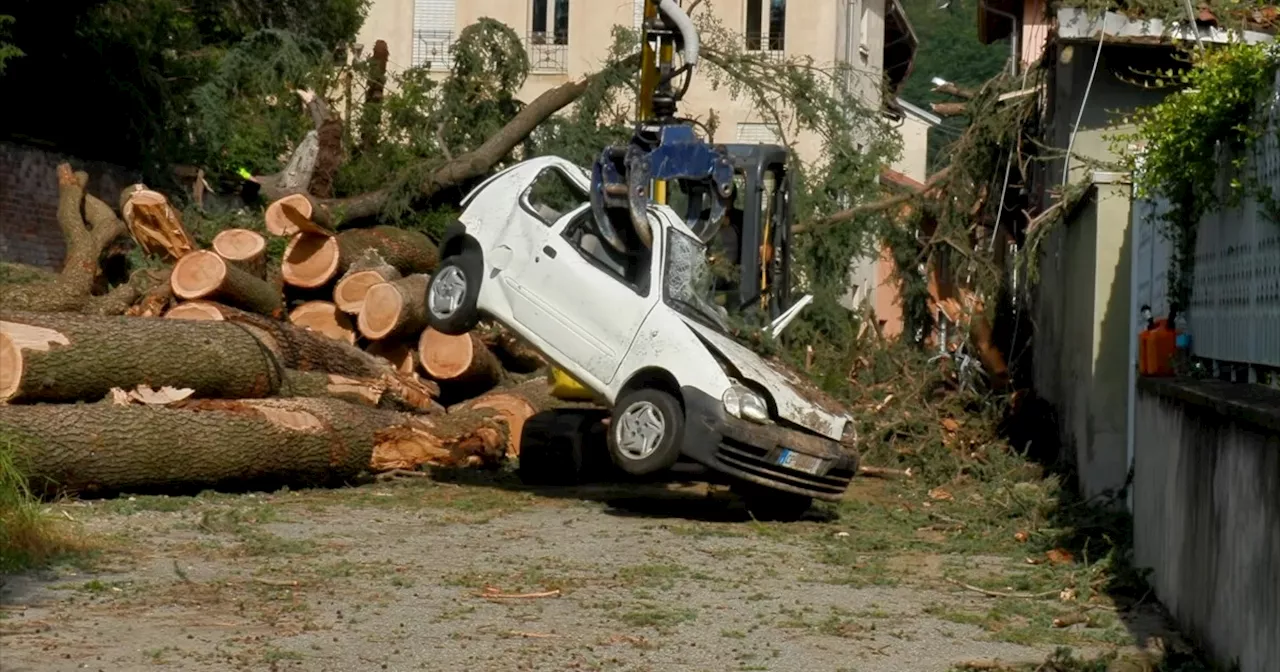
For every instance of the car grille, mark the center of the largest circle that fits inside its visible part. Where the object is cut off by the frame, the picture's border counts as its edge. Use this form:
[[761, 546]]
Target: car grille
[[762, 462]]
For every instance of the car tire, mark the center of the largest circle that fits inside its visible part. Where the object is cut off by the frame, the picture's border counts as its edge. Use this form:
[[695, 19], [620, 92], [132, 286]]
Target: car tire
[[453, 292], [645, 432]]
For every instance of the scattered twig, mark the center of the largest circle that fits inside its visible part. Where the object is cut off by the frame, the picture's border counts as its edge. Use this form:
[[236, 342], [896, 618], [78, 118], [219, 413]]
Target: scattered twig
[[884, 472], [13, 607], [533, 635], [992, 665], [996, 593], [495, 594], [1070, 620]]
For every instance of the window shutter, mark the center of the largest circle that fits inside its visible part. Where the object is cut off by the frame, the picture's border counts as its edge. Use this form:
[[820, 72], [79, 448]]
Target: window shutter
[[433, 23]]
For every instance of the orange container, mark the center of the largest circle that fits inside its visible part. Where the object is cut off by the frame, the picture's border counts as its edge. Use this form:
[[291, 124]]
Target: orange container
[[1144, 349], [1162, 344]]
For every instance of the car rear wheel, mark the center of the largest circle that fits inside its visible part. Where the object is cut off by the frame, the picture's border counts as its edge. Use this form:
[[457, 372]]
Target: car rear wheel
[[645, 432], [453, 292]]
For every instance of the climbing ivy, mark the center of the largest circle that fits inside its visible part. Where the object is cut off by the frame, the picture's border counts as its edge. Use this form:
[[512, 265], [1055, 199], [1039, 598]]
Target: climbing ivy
[[1179, 148]]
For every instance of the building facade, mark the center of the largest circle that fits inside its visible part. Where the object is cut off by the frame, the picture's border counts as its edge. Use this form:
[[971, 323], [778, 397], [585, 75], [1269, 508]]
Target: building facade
[[567, 39]]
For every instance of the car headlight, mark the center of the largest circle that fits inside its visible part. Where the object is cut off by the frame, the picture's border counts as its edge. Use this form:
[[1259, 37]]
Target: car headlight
[[742, 402]]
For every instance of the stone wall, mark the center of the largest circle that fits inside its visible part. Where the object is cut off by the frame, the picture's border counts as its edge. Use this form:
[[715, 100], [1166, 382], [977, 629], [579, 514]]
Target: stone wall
[[29, 231], [1206, 512]]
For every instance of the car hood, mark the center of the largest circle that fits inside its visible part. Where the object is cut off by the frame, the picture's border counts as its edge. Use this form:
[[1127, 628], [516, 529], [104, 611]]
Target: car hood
[[804, 409]]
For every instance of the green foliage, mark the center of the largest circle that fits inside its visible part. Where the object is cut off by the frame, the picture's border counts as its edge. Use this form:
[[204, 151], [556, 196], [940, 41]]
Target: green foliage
[[118, 79], [7, 50], [1191, 137]]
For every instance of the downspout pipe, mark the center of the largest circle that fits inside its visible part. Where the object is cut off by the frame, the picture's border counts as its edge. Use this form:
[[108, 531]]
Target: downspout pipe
[[1015, 38]]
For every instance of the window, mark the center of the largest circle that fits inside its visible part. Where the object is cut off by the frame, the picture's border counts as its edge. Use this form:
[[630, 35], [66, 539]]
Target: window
[[433, 37], [777, 25], [552, 196], [550, 22], [631, 270], [771, 36]]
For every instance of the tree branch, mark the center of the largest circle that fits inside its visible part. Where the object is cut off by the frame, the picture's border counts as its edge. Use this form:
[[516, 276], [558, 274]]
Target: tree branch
[[874, 206], [953, 90], [950, 109]]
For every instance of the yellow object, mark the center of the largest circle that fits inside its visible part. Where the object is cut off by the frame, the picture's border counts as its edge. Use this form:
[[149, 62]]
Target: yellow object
[[566, 387]]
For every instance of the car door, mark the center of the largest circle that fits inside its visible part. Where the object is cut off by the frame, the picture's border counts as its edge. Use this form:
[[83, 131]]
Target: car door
[[586, 303]]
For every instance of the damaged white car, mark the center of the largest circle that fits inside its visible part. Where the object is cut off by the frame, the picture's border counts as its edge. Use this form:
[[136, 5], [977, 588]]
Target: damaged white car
[[640, 333]]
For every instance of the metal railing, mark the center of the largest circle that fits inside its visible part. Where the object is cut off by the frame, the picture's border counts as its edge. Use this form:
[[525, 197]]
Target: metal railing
[[434, 47], [771, 47], [548, 52]]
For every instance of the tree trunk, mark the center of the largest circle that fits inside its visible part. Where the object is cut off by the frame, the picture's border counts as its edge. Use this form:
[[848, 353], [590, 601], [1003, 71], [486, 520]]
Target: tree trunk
[[205, 275], [325, 318], [313, 260], [68, 357], [304, 350], [371, 113], [70, 291], [516, 354], [460, 359], [395, 309], [366, 391], [366, 271], [107, 448], [328, 159], [244, 248], [514, 405]]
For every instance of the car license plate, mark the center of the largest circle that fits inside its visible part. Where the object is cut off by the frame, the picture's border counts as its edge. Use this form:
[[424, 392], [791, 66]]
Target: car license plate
[[799, 461]]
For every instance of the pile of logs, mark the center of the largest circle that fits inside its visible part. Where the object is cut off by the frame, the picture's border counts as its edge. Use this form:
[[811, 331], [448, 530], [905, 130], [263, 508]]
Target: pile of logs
[[225, 369]]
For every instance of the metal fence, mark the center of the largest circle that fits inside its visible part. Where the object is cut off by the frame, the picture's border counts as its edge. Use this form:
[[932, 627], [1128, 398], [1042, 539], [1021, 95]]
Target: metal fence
[[1234, 316], [434, 47]]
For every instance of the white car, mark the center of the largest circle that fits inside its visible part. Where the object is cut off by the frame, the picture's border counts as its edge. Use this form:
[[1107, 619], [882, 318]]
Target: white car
[[637, 332]]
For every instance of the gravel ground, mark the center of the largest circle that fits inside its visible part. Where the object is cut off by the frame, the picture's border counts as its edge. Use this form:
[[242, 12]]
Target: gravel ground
[[393, 576]]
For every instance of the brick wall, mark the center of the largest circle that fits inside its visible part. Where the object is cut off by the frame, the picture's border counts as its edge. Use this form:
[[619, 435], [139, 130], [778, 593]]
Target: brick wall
[[29, 231]]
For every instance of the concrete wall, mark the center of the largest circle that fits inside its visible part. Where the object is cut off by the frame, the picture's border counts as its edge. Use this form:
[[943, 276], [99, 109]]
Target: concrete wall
[[29, 232], [914, 161], [1206, 512], [1083, 331]]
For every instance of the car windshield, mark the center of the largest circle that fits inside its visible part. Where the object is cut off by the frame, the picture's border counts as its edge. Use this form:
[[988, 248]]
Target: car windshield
[[689, 282]]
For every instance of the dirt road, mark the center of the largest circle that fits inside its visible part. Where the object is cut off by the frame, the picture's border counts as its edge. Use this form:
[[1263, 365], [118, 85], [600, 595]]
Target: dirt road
[[394, 576]]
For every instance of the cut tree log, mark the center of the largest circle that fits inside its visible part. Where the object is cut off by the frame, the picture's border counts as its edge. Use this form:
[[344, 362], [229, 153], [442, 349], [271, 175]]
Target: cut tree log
[[366, 271], [516, 354], [146, 290], [514, 405], [155, 224], [279, 222], [401, 354], [395, 309], [458, 359], [313, 260], [154, 301], [205, 275], [244, 248], [85, 237], [475, 438], [325, 318], [195, 310], [67, 357], [107, 448], [304, 350], [366, 391]]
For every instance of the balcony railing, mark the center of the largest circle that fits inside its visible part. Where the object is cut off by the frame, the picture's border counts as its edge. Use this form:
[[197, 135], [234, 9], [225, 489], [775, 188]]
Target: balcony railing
[[770, 47], [548, 52], [434, 47]]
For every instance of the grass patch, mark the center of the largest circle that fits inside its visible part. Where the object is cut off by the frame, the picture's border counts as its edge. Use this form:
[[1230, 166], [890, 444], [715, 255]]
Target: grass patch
[[658, 617], [30, 536]]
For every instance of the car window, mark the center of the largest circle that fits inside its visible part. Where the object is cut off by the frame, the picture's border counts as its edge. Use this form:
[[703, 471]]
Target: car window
[[553, 195], [631, 270]]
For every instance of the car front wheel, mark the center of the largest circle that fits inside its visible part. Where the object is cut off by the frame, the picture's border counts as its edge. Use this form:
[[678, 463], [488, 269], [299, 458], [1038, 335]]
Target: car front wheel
[[645, 432], [453, 292]]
